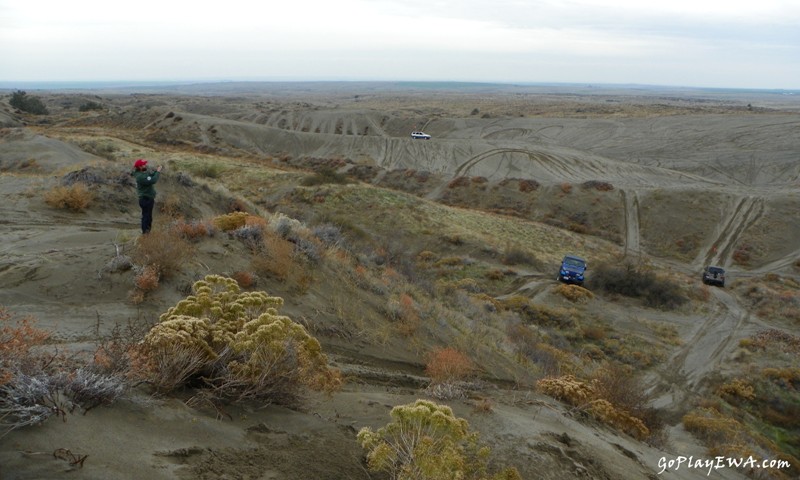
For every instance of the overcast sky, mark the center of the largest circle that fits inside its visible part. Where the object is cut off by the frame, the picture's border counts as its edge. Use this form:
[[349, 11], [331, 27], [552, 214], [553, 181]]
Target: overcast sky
[[725, 43]]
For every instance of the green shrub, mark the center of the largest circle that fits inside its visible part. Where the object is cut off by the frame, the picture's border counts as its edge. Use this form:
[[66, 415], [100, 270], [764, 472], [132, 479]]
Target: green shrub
[[85, 107], [637, 282], [426, 441], [26, 103]]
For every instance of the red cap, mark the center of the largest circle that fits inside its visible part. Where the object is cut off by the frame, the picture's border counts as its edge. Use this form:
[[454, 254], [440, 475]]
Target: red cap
[[140, 163]]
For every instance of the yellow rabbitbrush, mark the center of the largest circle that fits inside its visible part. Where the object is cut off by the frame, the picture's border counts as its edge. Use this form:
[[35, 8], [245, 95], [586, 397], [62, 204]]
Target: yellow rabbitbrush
[[235, 345], [427, 441]]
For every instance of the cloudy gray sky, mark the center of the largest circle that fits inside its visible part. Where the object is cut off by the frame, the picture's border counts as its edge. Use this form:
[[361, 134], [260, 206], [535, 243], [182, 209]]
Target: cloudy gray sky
[[707, 43]]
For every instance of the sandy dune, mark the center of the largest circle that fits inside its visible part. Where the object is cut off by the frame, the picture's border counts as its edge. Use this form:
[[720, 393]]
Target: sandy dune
[[713, 180]]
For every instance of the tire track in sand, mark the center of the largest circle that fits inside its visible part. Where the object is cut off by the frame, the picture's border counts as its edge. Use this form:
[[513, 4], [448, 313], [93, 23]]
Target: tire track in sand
[[686, 372], [632, 238], [745, 213]]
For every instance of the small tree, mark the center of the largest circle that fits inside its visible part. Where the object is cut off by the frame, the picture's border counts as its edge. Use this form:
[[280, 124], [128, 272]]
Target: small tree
[[26, 103], [425, 441]]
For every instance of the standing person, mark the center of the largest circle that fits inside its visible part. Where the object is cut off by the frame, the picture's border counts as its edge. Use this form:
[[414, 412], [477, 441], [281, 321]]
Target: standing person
[[145, 179]]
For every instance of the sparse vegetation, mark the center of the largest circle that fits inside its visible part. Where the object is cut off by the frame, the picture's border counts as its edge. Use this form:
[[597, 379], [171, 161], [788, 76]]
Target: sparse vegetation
[[456, 280], [589, 397], [773, 296], [36, 384]]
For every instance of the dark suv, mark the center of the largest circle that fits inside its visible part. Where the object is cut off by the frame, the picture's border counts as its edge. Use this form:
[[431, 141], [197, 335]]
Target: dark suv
[[714, 276], [572, 269]]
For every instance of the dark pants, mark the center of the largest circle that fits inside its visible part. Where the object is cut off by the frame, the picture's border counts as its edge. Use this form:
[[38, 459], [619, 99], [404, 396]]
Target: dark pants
[[147, 212]]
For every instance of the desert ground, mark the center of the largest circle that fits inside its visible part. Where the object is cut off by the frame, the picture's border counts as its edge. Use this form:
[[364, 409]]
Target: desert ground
[[452, 242]]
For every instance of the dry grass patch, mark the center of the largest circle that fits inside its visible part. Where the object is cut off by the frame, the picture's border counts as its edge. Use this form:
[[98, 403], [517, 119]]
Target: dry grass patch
[[276, 258], [76, 197], [574, 293]]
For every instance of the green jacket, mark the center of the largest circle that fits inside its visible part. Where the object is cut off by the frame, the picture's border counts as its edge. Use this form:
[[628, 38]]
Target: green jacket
[[144, 182]]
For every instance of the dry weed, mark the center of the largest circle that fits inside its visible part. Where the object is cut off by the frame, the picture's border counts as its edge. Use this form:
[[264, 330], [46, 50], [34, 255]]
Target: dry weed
[[192, 230], [76, 197], [230, 221], [165, 250], [276, 258], [448, 365], [737, 389], [244, 279], [147, 279], [18, 337]]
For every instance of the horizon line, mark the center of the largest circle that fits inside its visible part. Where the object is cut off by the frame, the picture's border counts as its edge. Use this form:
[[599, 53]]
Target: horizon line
[[99, 84]]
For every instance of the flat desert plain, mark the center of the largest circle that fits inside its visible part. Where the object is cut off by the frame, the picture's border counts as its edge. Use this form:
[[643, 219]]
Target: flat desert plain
[[399, 249]]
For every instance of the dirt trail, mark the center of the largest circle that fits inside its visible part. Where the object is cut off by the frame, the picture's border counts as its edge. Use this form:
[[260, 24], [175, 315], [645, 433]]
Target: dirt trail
[[631, 202], [707, 345]]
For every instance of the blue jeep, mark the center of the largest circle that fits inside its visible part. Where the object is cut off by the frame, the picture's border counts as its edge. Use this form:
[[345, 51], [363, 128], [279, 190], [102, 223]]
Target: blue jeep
[[572, 269]]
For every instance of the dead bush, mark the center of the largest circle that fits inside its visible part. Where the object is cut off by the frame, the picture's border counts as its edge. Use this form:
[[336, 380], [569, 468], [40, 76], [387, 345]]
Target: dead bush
[[76, 197], [170, 206], [18, 337], [244, 279], [192, 230], [147, 279], [276, 257], [447, 365], [36, 384], [165, 250]]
